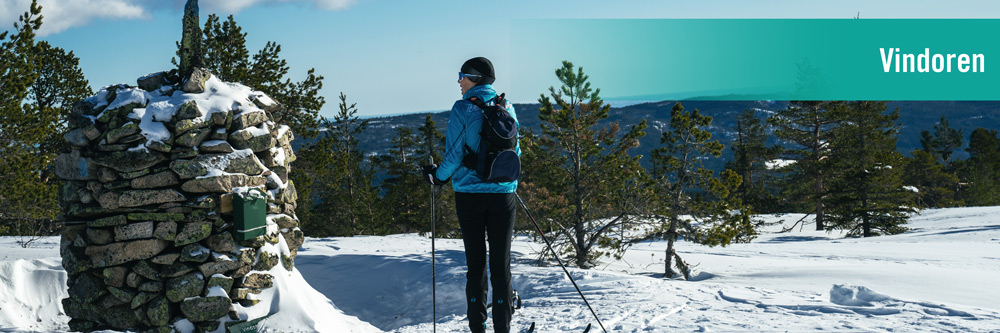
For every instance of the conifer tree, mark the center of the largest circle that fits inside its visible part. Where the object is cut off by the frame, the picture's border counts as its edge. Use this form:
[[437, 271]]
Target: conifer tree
[[403, 187], [696, 205], [933, 186], [750, 161], [583, 160], [867, 197], [981, 172], [944, 141], [345, 199], [39, 86], [808, 127]]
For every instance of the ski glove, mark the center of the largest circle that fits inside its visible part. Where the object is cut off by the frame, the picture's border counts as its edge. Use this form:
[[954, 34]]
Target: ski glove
[[430, 172]]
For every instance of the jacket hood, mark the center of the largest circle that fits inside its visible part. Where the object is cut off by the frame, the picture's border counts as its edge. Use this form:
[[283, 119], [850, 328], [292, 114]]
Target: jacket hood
[[485, 92]]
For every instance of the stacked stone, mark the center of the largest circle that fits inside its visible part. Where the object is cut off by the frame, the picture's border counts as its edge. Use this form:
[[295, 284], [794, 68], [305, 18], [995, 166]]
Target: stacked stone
[[147, 242]]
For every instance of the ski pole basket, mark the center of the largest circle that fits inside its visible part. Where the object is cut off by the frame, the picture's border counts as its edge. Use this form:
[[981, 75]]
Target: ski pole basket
[[249, 210]]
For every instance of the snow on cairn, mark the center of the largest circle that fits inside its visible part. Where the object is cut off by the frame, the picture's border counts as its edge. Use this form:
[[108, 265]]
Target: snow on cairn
[[149, 243]]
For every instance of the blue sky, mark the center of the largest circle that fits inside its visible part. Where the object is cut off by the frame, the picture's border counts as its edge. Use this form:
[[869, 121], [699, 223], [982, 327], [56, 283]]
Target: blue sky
[[393, 57]]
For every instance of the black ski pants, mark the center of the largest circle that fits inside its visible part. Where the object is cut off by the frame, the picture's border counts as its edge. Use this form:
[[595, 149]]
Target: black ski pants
[[482, 214]]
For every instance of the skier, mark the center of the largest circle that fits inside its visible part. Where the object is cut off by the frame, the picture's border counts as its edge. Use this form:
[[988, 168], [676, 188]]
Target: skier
[[482, 207]]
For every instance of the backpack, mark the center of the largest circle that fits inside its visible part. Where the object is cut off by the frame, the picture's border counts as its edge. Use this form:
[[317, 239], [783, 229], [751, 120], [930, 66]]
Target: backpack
[[497, 161]]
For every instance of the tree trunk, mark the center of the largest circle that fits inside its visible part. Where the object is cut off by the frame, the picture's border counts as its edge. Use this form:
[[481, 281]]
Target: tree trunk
[[668, 272]]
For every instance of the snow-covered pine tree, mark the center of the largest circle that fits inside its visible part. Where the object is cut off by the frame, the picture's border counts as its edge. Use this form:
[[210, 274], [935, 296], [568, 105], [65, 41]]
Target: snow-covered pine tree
[[696, 205], [574, 168], [866, 194]]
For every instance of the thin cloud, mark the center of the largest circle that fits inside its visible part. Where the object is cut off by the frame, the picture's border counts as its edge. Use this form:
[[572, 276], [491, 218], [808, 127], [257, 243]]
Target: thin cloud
[[60, 15]]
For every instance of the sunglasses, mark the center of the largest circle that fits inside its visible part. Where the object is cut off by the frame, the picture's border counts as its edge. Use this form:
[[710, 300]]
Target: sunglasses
[[470, 76]]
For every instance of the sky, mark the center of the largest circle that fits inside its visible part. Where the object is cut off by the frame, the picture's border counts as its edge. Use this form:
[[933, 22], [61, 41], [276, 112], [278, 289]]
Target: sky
[[395, 56]]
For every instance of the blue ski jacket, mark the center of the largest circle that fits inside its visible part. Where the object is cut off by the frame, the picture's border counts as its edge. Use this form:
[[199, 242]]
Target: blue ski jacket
[[464, 125]]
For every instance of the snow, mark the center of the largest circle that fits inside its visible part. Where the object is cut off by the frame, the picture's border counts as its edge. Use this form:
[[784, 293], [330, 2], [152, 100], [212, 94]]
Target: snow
[[939, 276], [128, 96], [911, 189], [778, 163]]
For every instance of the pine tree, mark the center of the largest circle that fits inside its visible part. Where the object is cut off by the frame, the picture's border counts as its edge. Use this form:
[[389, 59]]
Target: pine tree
[[345, 201], [696, 205], [933, 186], [807, 126], [981, 172], [943, 142], [40, 84], [867, 197], [750, 161], [403, 186], [225, 54], [572, 194]]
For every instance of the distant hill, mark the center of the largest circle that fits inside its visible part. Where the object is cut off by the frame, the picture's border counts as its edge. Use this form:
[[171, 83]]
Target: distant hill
[[915, 116]]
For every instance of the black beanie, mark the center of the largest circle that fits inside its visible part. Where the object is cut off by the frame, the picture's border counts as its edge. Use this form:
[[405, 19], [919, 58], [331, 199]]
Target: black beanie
[[480, 66]]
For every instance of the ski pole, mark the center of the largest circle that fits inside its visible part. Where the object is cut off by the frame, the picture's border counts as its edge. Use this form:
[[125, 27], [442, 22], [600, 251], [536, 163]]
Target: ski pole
[[556, 255], [433, 269]]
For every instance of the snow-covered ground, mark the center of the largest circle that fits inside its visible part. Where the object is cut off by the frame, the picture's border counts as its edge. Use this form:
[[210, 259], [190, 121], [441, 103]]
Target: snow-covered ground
[[941, 276]]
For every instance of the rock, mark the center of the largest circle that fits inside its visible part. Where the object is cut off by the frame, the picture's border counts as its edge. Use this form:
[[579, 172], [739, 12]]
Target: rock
[[120, 317], [110, 301], [106, 175], [76, 138], [87, 289], [140, 230], [71, 191], [128, 129], [130, 160], [195, 83], [202, 309], [222, 184], [176, 269], [195, 253], [152, 82], [136, 198], [236, 162], [132, 139], [74, 167], [253, 138], [166, 231], [143, 298], [288, 195], [99, 236], [266, 262], [248, 118], [144, 269], [117, 185], [189, 110], [189, 285], [115, 276], [264, 102], [123, 294], [216, 146], [294, 240], [208, 326], [151, 286], [120, 253], [158, 312], [108, 221], [225, 282], [218, 267], [285, 136], [83, 108], [192, 138], [158, 217], [193, 232], [221, 118], [85, 196], [162, 179], [243, 293], [288, 262], [222, 242], [283, 221], [159, 146], [111, 147], [178, 153], [166, 259], [186, 125], [258, 281], [134, 279], [135, 174], [219, 134], [108, 116]]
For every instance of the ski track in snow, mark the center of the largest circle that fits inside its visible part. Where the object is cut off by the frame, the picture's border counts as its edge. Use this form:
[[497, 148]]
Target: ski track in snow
[[939, 277]]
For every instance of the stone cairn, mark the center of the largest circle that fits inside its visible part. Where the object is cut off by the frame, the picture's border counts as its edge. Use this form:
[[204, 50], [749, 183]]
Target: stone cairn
[[148, 241]]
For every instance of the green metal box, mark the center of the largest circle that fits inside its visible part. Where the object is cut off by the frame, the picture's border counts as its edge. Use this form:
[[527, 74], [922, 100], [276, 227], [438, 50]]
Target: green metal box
[[249, 214]]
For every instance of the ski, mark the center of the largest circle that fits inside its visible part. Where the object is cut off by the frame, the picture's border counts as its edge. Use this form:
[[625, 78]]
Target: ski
[[531, 329]]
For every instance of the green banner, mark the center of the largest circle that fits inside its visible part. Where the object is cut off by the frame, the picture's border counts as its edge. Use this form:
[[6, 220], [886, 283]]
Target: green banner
[[763, 59]]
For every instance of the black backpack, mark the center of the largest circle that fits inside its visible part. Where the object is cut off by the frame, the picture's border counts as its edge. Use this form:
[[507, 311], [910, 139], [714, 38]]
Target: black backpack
[[497, 161]]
